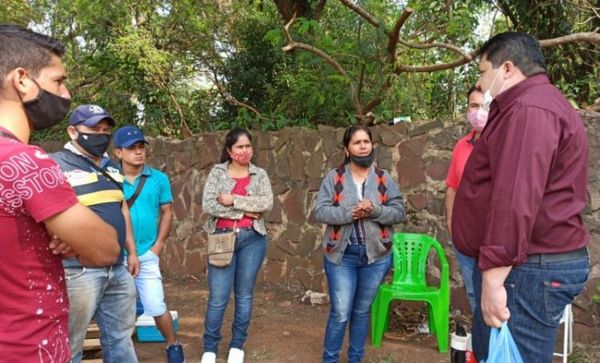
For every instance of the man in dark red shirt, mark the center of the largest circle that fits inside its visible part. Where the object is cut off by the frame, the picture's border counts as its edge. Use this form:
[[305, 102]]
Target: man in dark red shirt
[[36, 202], [528, 172]]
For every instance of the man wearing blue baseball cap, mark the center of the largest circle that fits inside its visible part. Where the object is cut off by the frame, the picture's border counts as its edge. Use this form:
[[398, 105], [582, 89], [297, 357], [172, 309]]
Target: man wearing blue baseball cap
[[148, 193], [105, 294]]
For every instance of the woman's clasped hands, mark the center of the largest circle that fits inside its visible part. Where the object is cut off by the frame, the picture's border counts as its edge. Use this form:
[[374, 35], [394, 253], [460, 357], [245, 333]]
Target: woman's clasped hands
[[362, 209]]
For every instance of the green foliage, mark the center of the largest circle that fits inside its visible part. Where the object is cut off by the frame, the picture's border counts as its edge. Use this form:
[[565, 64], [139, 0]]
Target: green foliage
[[179, 66], [596, 297], [573, 68]]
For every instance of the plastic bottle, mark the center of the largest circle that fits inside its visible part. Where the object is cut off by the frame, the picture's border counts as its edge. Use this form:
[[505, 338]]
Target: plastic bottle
[[458, 344]]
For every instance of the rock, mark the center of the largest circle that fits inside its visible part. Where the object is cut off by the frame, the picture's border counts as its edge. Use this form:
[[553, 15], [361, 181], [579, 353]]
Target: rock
[[315, 298]]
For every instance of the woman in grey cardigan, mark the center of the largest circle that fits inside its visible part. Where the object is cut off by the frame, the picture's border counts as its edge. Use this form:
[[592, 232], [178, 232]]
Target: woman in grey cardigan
[[236, 195], [359, 203]]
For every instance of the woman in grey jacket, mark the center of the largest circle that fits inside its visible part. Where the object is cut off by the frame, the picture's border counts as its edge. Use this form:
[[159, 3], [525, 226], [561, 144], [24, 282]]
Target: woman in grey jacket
[[236, 195], [359, 203]]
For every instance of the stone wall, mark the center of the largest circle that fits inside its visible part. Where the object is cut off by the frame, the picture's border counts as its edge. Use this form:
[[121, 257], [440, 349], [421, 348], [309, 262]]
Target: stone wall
[[417, 155]]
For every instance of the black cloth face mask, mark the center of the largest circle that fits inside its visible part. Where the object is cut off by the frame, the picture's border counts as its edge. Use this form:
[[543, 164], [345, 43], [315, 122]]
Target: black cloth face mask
[[95, 144], [46, 110], [363, 161]]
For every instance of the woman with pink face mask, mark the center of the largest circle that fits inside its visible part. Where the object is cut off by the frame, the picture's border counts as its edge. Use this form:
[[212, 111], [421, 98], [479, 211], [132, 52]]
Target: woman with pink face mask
[[236, 195], [477, 117]]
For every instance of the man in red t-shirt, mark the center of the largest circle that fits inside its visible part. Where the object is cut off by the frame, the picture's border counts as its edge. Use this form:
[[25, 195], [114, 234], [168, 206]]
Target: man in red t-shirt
[[36, 202], [477, 117]]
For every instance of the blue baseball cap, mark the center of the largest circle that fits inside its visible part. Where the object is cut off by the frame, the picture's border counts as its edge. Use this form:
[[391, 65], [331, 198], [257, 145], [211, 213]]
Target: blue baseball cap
[[127, 136], [90, 116]]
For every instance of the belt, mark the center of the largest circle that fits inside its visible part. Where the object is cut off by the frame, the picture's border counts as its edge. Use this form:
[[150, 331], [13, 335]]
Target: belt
[[558, 257], [237, 229]]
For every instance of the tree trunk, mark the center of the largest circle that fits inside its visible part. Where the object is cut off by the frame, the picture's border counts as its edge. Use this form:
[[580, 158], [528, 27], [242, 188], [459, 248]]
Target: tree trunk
[[287, 9]]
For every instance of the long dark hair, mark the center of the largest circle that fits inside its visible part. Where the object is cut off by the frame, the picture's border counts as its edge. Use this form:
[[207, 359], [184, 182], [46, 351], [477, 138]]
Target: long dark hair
[[230, 139], [350, 131]]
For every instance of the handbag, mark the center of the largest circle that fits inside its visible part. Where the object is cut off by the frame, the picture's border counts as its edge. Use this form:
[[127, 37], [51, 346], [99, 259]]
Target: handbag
[[221, 247], [502, 348]]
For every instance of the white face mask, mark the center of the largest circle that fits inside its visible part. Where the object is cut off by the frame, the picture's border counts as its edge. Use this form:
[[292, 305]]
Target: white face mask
[[487, 95]]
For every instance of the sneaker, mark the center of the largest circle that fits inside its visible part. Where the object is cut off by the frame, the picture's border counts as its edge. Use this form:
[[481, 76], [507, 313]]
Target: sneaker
[[175, 353], [235, 356], [209, 357]]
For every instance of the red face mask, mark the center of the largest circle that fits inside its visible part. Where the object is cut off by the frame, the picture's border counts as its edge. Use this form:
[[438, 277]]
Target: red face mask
[[242, 157]]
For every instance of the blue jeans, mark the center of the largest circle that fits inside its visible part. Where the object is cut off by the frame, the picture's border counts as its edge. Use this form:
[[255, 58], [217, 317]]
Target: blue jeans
[[108, 295], [352, 288], [250, 250], [467, 265], [537, 294]]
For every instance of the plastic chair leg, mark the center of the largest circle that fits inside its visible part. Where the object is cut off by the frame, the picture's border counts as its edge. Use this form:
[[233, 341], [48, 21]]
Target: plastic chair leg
[[441, 321], [377, 320], [431, 318], [374, 318]]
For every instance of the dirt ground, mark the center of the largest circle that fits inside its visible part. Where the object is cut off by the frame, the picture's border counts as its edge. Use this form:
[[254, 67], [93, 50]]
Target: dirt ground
[[283, 329]]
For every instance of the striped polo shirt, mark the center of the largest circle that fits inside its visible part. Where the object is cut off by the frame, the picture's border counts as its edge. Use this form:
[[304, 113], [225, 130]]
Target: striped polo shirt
[[94, 190]]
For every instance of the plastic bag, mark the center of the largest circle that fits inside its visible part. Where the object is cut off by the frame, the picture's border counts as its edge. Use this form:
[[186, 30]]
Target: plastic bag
[[502, 348]]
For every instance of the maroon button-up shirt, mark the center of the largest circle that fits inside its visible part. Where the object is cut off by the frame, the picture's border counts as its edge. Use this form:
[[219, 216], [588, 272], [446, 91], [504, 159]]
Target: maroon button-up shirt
[[524, 186]]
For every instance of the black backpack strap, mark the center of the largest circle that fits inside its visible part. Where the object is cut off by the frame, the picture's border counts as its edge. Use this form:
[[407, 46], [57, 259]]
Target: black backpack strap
[[97, 168], [136, 194]]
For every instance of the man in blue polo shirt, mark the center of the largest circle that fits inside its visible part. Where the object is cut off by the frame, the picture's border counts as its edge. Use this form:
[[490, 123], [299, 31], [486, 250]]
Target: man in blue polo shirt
[[107, 293], [148, 193]]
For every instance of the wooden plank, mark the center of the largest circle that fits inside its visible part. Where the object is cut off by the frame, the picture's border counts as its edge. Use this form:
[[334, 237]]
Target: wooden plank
[[91, 344], [93, 331]]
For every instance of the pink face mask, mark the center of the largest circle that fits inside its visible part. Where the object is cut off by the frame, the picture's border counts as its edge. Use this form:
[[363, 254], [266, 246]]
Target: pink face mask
[[242, 157], [478, 119]]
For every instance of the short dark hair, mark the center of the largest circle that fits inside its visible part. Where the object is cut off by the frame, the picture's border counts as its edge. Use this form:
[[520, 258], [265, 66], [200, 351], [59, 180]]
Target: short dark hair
[[21, 47], [520, 48], [230, 139], [350, 131], [471, 90]]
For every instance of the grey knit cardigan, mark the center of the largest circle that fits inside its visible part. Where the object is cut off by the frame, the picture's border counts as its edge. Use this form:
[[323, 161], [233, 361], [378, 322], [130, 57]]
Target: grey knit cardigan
[[383, 215]]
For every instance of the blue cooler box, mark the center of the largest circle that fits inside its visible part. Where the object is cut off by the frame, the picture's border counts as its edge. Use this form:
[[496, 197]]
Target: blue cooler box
[[147, 331]]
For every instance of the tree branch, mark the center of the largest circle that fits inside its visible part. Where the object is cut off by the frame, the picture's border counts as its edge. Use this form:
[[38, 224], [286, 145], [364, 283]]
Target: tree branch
[[589, 37], [505, 8], [314, 50], [434, 67], [361, 79], [362, 12], [437, 45], [319, 9], [394, 35], [229, 98], [326, 57]]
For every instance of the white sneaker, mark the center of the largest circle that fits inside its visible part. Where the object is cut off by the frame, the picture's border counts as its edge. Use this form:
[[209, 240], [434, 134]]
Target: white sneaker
[[235, 356], [208, 357]]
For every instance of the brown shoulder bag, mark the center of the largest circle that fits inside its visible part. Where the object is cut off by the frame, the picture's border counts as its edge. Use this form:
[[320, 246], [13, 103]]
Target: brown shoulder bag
[[221, 247]]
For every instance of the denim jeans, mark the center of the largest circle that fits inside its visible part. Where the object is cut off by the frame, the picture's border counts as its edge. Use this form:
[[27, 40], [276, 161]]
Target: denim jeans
[[537, 294], [352, 288], [466, 265], [250, 250], [108, 295]]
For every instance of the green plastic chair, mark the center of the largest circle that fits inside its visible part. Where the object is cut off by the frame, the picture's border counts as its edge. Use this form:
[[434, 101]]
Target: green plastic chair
[[410, 252]]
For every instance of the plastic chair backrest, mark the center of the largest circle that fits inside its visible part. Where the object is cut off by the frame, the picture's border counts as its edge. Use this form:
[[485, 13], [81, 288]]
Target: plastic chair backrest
[[411, 251]]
